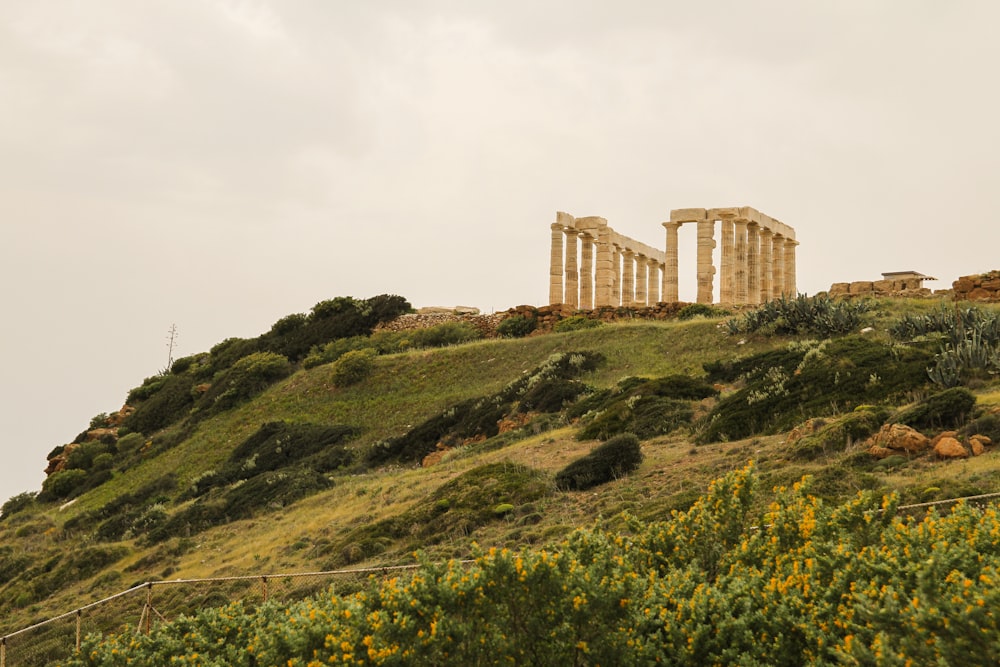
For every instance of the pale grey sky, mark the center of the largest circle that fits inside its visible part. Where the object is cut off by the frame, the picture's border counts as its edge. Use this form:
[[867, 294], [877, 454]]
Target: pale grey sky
[[219, 164]]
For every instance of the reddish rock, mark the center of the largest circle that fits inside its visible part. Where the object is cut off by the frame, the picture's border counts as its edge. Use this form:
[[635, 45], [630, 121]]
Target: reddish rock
[[862, 287], [950, 448], [963, 284], [980, 294], [978, 444], [898, 437]]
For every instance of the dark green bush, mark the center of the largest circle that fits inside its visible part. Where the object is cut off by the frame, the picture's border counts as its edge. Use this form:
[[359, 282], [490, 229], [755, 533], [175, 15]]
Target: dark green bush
[[551, 395], [575, 323], [839, 435], [988, 425], [614, 459], [247, 377], [948, 409], [442, 335], [645, 408], [61, 485], [517, 326], [353, 367], [277, 445], [785, 387], [18, 503], [171, 403]]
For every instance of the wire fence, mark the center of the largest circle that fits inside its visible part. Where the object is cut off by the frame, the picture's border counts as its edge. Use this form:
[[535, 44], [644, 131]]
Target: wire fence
[[142, 607]]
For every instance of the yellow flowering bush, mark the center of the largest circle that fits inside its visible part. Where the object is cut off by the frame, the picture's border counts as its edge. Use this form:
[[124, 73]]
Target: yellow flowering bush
[[726, 582]]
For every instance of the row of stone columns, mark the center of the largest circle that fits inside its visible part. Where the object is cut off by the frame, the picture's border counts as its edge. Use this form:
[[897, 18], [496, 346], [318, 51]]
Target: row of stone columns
[[593, 266], [757, 257]]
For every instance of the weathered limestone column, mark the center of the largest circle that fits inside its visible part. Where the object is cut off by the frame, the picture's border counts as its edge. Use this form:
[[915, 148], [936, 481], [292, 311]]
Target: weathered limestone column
[[670, 293], [777, 266], [766, 265], [753, 263], [556, 265], [653, 284], [740, 261], [616, 276], [789, 285], [587, 271], [628, 277], [572, 275], [727, 288], [641, 280], [604, 285], [706, 270]]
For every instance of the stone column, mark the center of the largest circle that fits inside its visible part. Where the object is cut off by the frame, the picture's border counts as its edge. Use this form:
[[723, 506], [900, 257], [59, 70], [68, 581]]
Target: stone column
[[572, 276], [641, 280], [628, 277], [789, 285], [727, 287], [740, 270], [556, 265], [616, 276], [670, 293], [605, 281], [587, 271], [706, 270], [653, 283], [766, 265], [753, 263], [777, 266]]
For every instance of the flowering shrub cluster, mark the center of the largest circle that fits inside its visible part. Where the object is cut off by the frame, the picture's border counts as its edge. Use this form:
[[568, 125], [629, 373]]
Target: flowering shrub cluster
[[797, 582]]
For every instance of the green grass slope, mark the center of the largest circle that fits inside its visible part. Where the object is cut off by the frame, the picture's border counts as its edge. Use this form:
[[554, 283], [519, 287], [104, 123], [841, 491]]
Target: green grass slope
[[187, 507]]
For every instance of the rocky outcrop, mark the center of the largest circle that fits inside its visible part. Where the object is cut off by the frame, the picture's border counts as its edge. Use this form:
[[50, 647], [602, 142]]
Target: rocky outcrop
[[896, 439], [983, 287]]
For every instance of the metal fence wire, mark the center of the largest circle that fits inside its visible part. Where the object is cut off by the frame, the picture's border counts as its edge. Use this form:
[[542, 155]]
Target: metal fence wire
[[143, 607]]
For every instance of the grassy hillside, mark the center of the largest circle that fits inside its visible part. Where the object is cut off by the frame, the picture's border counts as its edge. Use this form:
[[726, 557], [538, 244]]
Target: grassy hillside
[[209, 494]]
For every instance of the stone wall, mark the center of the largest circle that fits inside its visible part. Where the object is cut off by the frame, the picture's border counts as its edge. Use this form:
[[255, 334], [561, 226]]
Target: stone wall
[[485, 324], [984, 287], [903, 288], [547, 316]]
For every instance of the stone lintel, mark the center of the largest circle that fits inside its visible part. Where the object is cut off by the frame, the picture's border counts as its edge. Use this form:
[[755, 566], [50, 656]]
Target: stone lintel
[[687, 214], [636, 247], [564, 219], [590, 222], [724, 213]]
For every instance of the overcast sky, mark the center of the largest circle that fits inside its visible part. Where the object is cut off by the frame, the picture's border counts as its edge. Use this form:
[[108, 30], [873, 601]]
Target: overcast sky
[[218, 164]]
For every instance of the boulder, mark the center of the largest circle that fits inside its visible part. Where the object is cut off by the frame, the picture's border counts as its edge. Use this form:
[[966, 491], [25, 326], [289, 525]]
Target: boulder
[[979, 443], [950, 448], [862, 287], [899, 438], [839, 289]]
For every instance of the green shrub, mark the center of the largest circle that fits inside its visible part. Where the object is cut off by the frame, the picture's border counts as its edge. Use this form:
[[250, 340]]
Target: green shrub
[[330, 352], [18, 503], [279, 444], [130, 442], [841, 434], [786, 386], [171, 403], [551, 395], [63, 484], [948, 409], [247, 377], [693, 310], [988, 425], [575, 323], [614, 459], [517, 326], [442, 335], [353, 367]]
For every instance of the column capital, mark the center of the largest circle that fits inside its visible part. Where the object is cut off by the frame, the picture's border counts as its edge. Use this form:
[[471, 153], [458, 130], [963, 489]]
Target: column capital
[[672, 224], [557, 226]]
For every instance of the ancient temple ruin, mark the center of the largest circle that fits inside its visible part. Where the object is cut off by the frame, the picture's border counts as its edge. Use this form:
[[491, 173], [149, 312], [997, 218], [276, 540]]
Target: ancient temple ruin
[[593, 266]]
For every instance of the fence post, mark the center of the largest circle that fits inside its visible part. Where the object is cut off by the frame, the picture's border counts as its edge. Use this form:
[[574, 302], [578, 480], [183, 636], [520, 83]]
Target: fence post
[[79, 621], [149, 607], [264, 580], [3, 652]]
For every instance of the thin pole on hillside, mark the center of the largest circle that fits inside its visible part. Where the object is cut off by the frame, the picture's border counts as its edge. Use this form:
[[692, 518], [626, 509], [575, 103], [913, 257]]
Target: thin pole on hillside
[[171, 341]]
